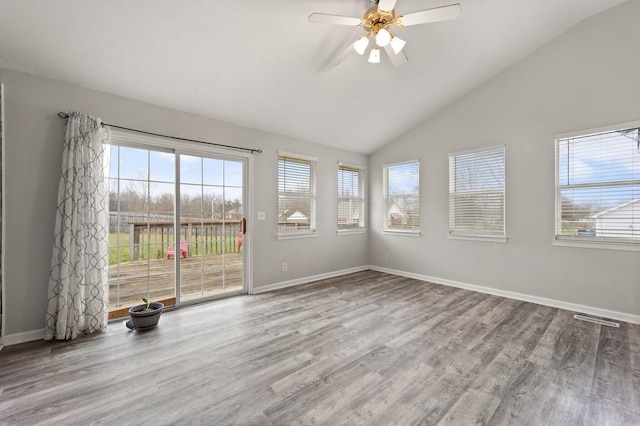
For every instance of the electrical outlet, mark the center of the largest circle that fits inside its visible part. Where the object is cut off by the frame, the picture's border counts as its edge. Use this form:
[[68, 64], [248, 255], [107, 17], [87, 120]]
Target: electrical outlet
[[261, 215], [285, 267]]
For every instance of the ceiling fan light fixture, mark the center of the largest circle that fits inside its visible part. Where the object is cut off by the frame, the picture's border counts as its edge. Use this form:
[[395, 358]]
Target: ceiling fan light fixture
[[374, 56], [360, 45], [376, 22], [397, 44], [383, 37]]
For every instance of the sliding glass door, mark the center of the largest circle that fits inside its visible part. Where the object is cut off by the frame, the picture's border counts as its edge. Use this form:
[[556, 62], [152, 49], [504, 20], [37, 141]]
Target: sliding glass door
[[211, 222], [176, 226], [141, 224]]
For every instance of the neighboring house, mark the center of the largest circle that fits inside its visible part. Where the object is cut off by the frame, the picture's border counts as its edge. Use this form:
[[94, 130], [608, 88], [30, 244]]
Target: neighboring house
[[293, 220], [293, 216], [348, 212], [234, 214], [349, 215], [397, 216], [619, 220]]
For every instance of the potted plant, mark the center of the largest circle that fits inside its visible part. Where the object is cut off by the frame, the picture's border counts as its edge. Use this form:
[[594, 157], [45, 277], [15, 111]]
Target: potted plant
[[145, 316]]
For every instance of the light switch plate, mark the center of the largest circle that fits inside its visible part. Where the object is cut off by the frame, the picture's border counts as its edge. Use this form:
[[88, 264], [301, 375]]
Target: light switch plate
[[261, 216]]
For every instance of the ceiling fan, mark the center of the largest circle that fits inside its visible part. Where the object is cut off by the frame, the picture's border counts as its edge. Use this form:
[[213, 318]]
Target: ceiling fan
[[377, 21]]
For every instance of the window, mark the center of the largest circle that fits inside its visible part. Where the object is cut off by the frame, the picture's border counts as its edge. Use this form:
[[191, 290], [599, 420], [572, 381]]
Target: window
[[476, 194], [598, 188], [296, 195], [351, 207], [402, 197]]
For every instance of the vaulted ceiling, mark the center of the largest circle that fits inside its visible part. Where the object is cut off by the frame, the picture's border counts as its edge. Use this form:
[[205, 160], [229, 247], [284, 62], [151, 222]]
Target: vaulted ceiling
[[260, 64]]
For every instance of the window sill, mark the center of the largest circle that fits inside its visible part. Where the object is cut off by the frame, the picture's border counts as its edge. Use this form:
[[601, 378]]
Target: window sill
[[354, 232], [483, 238], [602, 245], [403, 233], [296, 236]]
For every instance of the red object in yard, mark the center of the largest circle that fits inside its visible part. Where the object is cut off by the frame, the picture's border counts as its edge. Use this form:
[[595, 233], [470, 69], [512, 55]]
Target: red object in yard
[[239, 240], [183, 250]]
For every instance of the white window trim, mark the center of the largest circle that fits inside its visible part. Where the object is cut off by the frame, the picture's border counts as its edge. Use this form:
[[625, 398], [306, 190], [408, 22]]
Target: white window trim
[[311, 233], [296, 155], [584, 242], [485, 238], [391, 231], [402, 233], [351, 232], [363, 188], [307, 234], [482, 237], [134, 139], [603, 245], [596, 130]]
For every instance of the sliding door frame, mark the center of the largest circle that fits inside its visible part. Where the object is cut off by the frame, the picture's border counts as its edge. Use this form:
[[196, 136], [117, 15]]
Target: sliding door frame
[[3, 294], [143, 141], [225, 156]]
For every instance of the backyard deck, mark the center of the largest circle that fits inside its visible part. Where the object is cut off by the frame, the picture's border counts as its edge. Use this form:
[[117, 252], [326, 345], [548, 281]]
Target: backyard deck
[[201, 276]]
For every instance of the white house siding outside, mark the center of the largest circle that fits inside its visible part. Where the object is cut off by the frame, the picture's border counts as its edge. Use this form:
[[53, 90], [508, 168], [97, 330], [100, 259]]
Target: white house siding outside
[[620, 221]]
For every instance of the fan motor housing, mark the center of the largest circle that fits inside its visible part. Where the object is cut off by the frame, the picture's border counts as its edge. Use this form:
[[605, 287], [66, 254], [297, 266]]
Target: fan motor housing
[[375, 19]]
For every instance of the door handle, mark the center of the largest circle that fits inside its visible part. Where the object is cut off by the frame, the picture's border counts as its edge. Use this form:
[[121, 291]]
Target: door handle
[[244, 225]]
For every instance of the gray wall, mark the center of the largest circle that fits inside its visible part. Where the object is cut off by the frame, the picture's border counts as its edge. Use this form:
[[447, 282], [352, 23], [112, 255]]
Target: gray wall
[[34, 136], [586, 78]]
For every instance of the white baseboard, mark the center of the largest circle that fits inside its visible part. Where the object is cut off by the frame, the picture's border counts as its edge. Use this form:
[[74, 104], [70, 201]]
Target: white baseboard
[[305, 280], [27, 336], [620, 316]]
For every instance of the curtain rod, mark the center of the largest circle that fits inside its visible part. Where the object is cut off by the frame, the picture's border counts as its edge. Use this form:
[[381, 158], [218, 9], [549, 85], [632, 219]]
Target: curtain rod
[[251, 150]]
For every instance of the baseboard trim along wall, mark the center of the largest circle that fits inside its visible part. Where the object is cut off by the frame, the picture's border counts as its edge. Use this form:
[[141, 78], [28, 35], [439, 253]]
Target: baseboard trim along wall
[[605, 313], [305, 280], [27, 336]]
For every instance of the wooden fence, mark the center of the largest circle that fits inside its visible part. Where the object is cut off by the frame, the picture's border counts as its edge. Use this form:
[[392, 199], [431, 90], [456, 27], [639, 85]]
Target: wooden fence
[[150, 235], [201, 237]]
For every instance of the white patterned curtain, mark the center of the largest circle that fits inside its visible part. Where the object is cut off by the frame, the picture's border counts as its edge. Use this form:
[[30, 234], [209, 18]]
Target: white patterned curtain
[[78, 283]]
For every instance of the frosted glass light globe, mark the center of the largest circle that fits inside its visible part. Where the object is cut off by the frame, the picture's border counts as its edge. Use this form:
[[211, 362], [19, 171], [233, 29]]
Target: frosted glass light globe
[[383, 37]]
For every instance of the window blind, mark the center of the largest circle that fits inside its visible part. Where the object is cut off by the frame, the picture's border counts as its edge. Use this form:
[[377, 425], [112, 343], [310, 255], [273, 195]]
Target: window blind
[[351, 207], [476, 193], [402, 196], [296, 195], [598, 187]]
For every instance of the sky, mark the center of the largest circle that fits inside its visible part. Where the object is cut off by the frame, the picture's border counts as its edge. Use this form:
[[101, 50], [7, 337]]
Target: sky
[[198, 175], [602, 169]]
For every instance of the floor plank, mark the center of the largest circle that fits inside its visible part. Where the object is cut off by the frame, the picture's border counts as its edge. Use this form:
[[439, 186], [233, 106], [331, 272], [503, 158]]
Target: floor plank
[[363, 349]]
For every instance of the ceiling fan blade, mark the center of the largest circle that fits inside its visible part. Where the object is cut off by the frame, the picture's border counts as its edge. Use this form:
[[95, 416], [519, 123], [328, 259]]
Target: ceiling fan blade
[[323, 18], [342, 56], [387, 5], [443, 13], [397, 60]]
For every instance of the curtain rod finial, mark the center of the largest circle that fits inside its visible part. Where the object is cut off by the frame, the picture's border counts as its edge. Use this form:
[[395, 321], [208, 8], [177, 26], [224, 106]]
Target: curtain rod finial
[[63, 115]]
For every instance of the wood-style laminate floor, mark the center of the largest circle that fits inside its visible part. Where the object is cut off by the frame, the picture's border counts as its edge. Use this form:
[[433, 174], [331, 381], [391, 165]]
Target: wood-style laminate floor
[[366, 348]]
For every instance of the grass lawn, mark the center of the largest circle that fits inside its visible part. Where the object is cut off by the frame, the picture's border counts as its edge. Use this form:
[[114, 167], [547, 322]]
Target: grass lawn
[[155, 248]]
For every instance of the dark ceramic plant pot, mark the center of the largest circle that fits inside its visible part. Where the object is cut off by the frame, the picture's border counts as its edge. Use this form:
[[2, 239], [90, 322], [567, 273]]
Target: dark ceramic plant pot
[[146, 320]]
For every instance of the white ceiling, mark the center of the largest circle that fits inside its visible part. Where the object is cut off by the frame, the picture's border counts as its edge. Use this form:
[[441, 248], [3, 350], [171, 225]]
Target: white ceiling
[[260, 64]]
